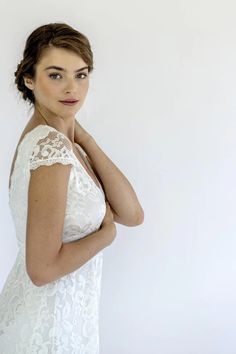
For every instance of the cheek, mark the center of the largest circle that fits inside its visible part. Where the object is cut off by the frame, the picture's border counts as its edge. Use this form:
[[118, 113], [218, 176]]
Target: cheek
[[48, 88], [84, 87]]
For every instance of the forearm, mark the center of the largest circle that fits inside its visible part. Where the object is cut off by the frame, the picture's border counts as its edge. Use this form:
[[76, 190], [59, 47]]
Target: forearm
[[74, 254], [119, 192]]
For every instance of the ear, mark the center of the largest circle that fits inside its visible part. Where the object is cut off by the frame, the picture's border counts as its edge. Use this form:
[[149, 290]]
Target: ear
[[28, 82]]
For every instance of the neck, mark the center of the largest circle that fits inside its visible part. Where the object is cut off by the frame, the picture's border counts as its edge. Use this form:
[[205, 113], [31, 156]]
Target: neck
[[65, 126]]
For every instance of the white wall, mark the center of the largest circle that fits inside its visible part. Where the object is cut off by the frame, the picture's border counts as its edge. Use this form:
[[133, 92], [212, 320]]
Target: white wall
[[162, 106]]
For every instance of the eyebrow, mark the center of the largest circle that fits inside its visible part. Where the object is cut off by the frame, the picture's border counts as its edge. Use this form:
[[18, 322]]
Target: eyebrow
[[61, 69]]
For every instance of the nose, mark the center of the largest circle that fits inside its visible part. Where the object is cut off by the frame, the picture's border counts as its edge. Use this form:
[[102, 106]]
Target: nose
[[70, 86]]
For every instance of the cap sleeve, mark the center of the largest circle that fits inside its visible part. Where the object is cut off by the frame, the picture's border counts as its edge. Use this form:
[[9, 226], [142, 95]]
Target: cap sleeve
[[54, 148]]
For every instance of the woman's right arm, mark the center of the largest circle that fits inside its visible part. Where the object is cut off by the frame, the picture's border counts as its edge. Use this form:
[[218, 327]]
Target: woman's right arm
[[47, 257], [73, 255]]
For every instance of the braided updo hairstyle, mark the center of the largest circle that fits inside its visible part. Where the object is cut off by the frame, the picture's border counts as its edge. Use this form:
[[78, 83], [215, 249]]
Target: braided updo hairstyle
[[57, 35]]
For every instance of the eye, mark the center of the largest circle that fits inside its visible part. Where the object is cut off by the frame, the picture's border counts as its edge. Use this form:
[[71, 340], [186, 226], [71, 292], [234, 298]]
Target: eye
[[53, 75], [85, 75]]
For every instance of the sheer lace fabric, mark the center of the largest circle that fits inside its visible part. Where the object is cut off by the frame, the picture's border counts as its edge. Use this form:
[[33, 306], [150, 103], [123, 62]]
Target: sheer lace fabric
[[62, 316]]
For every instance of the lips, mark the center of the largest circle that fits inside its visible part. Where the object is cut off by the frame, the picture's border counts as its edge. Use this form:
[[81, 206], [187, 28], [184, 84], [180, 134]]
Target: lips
[[69, 101]]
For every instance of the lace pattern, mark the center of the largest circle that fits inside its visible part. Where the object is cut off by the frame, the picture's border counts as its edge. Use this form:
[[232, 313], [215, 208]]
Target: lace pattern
[[51, 149]]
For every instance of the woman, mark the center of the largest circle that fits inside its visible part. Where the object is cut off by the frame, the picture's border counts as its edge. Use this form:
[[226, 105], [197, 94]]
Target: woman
[[65, 196]]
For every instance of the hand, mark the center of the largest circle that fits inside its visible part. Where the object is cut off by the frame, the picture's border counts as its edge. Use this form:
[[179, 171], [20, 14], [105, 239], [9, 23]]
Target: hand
[[80, 134], [109, 224], [108, 218]]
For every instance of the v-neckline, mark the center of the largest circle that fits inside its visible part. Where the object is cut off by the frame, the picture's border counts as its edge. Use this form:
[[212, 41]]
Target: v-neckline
[[99, 187], [85, 169]]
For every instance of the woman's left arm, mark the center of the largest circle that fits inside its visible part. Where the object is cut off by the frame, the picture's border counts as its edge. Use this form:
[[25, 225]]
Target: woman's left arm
[[118, 190]]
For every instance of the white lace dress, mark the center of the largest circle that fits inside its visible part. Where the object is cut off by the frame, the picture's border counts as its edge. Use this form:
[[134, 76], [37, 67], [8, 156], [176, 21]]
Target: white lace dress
[[62, 316]]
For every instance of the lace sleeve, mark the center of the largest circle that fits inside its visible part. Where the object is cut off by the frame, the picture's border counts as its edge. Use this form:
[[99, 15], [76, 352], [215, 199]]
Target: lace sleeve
[[54, 148]]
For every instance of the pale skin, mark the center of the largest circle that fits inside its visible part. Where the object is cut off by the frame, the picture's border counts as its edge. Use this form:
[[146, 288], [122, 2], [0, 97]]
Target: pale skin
[[121, 198]]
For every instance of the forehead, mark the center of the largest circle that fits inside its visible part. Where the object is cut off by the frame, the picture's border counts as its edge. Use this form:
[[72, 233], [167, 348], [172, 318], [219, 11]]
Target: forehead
[[60, 57]]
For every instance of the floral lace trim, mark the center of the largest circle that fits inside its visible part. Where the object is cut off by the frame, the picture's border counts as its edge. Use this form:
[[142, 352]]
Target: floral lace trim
[[51, 149]]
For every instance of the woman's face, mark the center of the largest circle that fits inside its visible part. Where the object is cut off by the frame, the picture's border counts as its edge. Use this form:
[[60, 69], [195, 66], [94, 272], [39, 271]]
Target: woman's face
[[53, 85]]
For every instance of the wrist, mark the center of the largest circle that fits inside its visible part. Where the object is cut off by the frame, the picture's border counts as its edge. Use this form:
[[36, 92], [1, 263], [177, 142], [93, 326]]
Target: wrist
[[110, 227], [109, 232]]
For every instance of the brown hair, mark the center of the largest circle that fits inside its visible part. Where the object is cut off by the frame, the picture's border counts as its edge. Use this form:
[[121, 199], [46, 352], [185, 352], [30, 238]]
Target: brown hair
[[58, 35]]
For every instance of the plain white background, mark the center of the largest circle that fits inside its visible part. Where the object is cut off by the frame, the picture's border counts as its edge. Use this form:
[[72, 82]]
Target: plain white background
[[162, 106]]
